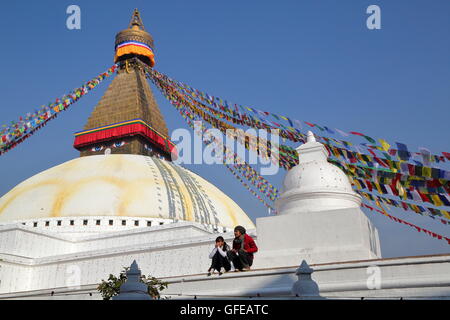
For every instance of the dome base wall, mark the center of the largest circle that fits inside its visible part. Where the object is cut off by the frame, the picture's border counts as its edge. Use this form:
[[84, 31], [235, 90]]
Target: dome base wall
[[319, 237]]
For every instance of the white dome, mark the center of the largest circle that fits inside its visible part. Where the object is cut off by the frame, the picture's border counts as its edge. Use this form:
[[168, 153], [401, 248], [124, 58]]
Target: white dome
[[315, 184], [121, 185], [317, 176]]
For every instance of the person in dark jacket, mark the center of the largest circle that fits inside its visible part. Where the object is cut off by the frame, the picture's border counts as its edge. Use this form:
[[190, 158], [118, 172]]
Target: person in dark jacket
[[219, 257], [243, 249]]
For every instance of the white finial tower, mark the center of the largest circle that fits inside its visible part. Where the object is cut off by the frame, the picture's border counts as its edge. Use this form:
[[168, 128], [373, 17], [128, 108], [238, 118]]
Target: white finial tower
[[315, 184], [310, 137], [319, 217]]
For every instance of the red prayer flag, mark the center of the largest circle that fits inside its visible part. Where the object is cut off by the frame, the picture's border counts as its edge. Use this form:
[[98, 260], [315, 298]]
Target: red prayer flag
[[381, 162], [404, 205], [446, 154], [371, 152], [423, 196], [357, 133], [411, 169]]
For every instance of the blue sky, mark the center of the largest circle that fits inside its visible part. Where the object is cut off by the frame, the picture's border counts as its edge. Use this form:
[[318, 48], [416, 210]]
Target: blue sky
[[312, 60]]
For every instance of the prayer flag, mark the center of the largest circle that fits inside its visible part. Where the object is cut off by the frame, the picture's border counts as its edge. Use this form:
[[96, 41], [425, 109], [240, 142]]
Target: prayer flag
[[344, 134], [436, 200], [403, 152], [297, 124], [384, 144], [447, 155], [426, 155]]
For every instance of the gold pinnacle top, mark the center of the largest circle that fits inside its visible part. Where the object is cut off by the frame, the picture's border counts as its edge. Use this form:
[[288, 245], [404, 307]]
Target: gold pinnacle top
[[136, 21], [135, 32]]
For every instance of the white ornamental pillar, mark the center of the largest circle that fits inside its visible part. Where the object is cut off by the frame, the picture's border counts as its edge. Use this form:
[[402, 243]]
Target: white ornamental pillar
[[305, 286]]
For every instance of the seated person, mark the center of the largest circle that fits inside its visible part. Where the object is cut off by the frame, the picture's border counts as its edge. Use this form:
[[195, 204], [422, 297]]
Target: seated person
[[219, 257], [243, 249]]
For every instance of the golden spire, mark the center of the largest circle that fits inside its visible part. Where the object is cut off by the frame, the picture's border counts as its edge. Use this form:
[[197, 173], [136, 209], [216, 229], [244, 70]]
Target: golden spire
[[127, 119]]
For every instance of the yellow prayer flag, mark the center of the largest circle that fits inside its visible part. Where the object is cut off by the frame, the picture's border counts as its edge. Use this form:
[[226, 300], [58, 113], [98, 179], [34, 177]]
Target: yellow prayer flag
[[344, 152], [336, 153], [360, 158], [426, 172], [400, 189], [377, 185], [384, 144], [381, 207], [446, 214], [436, 200], [384, 211]]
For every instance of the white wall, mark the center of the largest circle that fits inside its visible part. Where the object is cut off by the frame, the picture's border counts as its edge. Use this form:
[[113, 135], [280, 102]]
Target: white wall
[[43, 261], [407, 278], [317, 237]]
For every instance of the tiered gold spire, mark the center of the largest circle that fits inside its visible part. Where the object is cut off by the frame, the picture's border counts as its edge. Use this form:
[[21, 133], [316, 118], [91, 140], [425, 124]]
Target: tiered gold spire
[[127, 119]]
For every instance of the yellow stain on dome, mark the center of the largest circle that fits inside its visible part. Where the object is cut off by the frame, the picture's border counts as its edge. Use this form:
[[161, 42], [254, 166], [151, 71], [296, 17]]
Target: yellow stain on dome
[[19, 190], [134, 191], [67, 192]]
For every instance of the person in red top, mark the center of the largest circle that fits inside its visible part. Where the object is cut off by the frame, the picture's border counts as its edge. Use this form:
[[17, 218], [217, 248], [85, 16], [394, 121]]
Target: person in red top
[[243, 249]]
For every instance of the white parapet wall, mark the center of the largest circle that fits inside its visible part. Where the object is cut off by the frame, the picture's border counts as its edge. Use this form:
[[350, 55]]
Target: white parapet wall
[[424, 277], [39, 259], [409, 277]]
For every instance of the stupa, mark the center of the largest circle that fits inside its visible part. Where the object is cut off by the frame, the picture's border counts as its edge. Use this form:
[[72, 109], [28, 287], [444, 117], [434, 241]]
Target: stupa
[[123, 200]]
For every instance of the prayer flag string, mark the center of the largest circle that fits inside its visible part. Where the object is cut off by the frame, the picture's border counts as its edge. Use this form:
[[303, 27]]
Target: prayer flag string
[[419, 229], [264, 187], [288, 157], [16, 132], [293, 125]]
